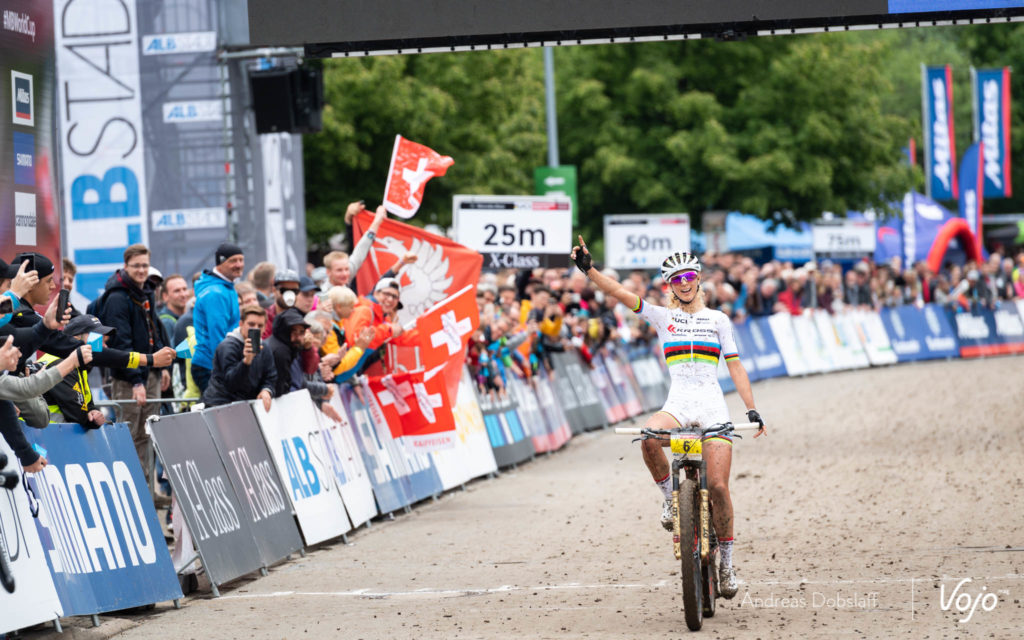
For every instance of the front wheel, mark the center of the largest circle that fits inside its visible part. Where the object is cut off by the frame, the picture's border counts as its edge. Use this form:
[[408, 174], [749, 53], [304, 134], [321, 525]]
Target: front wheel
[[710, 571], [689, 528]]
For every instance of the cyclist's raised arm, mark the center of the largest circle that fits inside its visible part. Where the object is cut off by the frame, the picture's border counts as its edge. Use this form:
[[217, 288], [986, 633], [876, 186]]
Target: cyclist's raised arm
[[608, 285]]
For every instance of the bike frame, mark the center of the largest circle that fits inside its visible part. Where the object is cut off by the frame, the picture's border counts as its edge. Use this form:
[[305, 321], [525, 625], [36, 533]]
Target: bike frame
[[699, 469]]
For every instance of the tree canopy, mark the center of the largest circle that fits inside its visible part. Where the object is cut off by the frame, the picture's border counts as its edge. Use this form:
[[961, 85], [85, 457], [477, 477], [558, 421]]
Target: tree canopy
[[800, 124]]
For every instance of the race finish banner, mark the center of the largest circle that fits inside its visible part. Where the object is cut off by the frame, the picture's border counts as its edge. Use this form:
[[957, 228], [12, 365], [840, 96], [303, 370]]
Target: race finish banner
[[521, 232], [641, 241], [97, 523], [29, 219], [939, 139], [991, 93], [256, 484], [34, 599], [838, 239], [215, 516]]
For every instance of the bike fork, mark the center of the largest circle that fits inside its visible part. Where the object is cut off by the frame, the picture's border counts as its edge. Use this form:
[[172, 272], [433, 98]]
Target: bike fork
[[676, 530], [705, 514]]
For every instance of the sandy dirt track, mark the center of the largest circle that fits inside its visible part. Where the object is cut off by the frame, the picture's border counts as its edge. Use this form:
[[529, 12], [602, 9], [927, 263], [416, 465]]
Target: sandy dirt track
[[875, 494]]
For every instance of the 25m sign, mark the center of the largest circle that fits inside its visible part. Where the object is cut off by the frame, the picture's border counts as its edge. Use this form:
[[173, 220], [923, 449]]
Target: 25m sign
[[515, 231]]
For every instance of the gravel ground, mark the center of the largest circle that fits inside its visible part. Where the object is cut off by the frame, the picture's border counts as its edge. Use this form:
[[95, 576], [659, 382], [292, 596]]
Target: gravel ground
[[875, 494]]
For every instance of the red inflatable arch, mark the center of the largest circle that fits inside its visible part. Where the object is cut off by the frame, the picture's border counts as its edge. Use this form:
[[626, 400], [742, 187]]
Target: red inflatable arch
[[954, 228]]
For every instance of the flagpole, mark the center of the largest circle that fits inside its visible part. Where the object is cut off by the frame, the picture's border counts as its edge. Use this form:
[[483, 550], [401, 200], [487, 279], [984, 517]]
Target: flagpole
[[974, 104], [926, 122], [549, 103]]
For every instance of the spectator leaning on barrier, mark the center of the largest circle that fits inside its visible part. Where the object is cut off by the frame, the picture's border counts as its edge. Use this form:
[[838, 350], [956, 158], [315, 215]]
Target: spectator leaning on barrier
[[128, 306], [239, 372], [216, 309], [71, 400]]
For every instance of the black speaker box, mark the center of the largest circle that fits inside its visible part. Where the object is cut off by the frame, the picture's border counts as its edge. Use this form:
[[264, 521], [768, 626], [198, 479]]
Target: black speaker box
[[287, 100]]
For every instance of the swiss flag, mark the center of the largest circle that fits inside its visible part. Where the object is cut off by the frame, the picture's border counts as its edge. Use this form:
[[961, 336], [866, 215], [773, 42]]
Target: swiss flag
[[412, 164], [445, 329], [416, 407]]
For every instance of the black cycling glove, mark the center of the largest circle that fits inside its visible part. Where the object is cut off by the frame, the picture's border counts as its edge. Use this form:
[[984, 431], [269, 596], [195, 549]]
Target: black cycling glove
[[583, 260], [754, 416]]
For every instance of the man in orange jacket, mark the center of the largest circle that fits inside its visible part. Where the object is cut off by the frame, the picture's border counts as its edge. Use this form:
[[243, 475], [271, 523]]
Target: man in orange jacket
[[378, 313]]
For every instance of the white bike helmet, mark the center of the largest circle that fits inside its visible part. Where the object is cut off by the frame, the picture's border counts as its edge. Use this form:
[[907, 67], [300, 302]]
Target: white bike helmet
[[678, 262]]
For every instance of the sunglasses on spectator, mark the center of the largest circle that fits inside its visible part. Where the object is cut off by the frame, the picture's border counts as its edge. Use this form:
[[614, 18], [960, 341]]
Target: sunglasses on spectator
[[686, 276], [387, 294]]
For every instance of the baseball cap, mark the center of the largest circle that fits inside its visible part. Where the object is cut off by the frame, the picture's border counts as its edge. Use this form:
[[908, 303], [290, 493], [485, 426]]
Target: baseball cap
[[86, 323], [389, 283], [44, 266], [286, 275], [306, 284], [8, 270]]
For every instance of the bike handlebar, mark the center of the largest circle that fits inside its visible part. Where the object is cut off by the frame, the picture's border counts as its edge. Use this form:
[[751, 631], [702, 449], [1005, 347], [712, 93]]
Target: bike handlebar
[[636, 431]]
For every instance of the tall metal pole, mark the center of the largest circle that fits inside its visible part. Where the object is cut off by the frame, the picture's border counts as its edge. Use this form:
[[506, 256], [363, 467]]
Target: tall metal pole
[[549, 103]]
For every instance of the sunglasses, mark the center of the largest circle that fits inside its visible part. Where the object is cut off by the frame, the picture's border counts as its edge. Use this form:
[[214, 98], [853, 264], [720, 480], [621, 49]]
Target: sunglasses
[[686, 276]]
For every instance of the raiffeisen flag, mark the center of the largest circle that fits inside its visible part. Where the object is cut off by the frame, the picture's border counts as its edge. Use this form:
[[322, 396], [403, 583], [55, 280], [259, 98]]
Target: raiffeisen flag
[[992, 127], [442, 267], [416, 408], [939, 141], [972, 186]]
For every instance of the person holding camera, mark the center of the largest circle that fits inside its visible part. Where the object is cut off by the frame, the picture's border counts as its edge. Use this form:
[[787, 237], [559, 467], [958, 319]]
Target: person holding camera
[[242, 369]]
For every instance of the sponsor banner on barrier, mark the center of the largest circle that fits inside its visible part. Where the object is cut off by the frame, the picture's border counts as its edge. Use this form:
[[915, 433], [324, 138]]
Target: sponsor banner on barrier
[[653, 383], [919, 334], [767, 357], [388, 490], [307, 480], [34, 599], [339, 448], [571, 366], [557, 423], [613, 407], [257, 485], [622, 385], [567, 399], [983, 332], [741, 334], [214, 514], [847, 337], [414, 469], [530, 415], [781, 326], [873, 336], [816, 352], [97, 524], [509, 440], [478, 457]]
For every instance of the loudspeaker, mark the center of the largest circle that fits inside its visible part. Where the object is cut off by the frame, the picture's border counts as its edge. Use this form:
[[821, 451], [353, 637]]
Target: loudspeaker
[[287, 100]]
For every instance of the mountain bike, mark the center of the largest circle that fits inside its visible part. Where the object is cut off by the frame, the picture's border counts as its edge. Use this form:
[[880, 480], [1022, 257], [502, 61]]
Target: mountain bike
[[693, 531], [8, 480]]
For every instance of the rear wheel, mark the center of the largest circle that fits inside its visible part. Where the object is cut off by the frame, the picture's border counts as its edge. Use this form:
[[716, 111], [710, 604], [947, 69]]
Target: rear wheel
[[689, 528]]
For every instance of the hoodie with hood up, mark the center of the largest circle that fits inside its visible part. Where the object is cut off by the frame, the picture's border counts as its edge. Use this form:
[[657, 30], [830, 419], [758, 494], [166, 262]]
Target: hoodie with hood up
[[233, 380]]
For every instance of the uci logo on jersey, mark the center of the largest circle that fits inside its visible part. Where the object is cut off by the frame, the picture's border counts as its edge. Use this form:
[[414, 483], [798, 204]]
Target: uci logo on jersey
[[21, 99]]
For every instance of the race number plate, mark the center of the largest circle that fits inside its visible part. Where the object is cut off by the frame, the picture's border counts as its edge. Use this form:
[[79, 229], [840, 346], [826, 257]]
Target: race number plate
[[688, 445]]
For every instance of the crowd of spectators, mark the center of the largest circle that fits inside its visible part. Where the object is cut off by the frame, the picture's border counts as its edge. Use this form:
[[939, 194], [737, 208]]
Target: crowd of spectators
[[227, 334], [526, 315]]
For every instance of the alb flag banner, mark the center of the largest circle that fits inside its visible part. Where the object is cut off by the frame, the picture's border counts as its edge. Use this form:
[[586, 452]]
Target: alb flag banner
[[445, 329], [940, 144], [992, 127], [972, 185], [412, 164], [416, 408], [442, 267]]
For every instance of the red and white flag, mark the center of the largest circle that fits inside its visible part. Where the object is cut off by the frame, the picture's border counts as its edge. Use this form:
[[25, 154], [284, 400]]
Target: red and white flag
[[412, 164], [416, 408], [446, 327]]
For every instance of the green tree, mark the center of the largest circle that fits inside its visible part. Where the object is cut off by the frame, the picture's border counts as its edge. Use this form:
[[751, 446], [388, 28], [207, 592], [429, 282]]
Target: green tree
[[483, 109]]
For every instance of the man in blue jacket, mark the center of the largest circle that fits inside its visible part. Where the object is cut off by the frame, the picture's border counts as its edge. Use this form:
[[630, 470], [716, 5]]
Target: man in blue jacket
[[216, 310]]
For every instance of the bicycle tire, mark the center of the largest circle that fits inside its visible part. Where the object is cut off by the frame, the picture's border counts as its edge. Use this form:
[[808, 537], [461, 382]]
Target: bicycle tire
[[6, 575], [691, 570], [710, 574]]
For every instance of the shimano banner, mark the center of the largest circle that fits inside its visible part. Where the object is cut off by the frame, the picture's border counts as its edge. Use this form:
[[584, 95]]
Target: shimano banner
[[338, 446], [215, 516], [505, 430], [939, 141], [992, 127], [984, 332], [258, 488], [764, 350], [97, 523]]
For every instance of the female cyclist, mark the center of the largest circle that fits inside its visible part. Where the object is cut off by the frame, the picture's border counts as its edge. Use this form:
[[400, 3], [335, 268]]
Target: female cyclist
[[693, 338]]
